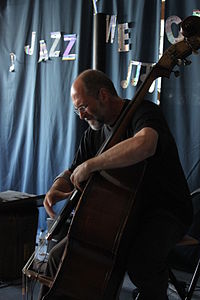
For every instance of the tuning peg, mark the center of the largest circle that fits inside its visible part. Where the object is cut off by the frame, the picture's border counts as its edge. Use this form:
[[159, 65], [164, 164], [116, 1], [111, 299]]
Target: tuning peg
[[176, 73], [183, 61], [179, 62], [186, 62]]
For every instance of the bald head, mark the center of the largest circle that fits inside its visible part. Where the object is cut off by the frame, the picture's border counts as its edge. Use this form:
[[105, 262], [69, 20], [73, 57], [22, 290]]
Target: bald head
[[95, 99], [94, 80]]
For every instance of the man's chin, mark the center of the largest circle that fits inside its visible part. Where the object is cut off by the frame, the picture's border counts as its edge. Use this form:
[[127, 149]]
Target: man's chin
[[95, 125]]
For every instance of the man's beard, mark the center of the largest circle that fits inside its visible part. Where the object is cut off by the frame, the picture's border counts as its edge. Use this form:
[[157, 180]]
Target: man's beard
[[95, 124]]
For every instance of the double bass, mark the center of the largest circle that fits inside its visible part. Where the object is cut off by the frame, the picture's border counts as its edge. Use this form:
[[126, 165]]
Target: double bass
[[93, 262]]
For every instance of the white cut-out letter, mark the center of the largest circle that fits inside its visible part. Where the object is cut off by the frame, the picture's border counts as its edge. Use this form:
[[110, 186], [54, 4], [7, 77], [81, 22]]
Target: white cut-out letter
[[43, 51], [123, 38], [110, 27], [29, 49], [168, 29], [56, 36], [71, 38]]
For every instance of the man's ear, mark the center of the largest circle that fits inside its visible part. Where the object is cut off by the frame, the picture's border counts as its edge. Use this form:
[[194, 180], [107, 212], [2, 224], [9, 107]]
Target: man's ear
[[103, 94]]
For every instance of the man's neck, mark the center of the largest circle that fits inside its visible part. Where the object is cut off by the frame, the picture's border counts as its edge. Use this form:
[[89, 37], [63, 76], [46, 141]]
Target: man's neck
[[116, 109]]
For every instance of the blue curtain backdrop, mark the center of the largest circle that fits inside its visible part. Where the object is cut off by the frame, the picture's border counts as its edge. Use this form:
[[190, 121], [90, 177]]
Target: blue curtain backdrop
[[180, 98], [38, 129], [143, 31], [39, 132]]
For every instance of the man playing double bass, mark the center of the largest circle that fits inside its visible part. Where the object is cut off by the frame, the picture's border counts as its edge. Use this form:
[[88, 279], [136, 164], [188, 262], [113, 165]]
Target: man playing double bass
[[166, 209]]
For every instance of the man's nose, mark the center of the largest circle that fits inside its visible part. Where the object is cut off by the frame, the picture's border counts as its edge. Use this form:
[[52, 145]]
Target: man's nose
[[82, 115]]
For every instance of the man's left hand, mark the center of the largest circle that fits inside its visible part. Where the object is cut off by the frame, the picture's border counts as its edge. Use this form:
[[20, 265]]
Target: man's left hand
[[80, 174]]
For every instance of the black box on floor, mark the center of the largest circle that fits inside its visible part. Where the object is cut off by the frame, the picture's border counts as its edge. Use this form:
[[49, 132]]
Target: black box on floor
[[18, 228]]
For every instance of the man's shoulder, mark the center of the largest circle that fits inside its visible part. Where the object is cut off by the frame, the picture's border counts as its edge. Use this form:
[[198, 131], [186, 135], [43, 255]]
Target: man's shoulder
[[147, 106], [145, 102], [149, 103]]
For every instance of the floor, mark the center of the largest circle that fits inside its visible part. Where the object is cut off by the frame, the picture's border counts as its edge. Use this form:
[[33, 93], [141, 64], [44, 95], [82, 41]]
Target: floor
[[13, 291]]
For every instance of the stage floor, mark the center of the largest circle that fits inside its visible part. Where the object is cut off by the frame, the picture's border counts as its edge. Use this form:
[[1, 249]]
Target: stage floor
[[13, 290]]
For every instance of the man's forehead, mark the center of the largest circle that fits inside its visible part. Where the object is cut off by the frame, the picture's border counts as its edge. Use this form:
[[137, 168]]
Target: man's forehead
[[77, 87], [78, 94]]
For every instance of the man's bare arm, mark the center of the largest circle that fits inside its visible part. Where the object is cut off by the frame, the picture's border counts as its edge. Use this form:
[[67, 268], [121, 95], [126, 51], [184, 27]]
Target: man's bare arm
[[126, 153], [60, 190]]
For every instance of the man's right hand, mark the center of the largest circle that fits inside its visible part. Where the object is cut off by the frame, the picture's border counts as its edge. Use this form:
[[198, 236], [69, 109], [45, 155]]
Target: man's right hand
[[51, 198], [59, 191]]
